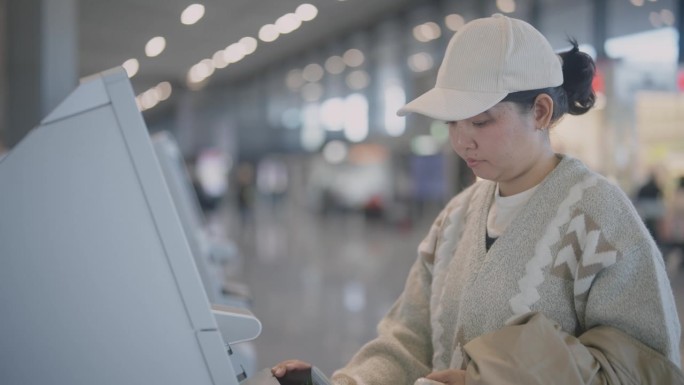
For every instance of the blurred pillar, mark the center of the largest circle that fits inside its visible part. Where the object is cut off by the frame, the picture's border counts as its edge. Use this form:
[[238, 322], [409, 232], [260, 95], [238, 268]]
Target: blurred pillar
[[613, 131], [600, 22], [605, 69], [679, 4], [535, 13], [41, 61], [481, 8], [3, 73]]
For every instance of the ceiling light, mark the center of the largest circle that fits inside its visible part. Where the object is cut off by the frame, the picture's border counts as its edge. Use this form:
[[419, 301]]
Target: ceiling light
[[306, 12], [667, 17], [234, 53], [506, 6], [427, 32], [420, 62], [353, 57], [312, 72], [432, 30], [288, 23], [149, 99], [454, 21], [655, 19], [192, 14], [335, 65], [268, 33], [200, 71], [637, 3], [194, 76], [207, 67], [219, 59], [155, 46], [131, 66], [164, 90], [249, 44], [418, 34]]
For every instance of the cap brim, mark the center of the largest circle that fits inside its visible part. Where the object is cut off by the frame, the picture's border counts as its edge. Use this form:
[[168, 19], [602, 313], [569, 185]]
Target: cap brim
[[452, 105]]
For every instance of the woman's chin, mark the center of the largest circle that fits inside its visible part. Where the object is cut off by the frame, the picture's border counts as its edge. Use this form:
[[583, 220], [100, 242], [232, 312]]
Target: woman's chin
[[483, 174]]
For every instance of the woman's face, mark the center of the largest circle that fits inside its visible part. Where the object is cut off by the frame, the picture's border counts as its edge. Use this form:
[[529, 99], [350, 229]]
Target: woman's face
[[502, 144]]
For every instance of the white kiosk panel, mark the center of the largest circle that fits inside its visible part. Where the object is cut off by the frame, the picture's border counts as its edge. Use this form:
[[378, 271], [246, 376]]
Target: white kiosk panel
[[97, 282]]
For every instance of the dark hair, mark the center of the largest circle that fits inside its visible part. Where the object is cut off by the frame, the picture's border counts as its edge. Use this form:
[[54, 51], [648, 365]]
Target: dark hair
[[575, 96]]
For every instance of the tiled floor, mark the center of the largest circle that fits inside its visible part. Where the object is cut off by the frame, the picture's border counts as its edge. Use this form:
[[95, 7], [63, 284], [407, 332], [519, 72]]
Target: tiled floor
[[320, 284]]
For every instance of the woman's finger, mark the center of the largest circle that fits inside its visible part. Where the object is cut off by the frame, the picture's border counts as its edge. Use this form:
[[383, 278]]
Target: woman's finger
[[283, 367], [448, 377]]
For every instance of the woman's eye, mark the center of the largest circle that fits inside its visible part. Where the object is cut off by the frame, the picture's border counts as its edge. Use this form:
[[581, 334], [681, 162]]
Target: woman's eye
[[480, 123]]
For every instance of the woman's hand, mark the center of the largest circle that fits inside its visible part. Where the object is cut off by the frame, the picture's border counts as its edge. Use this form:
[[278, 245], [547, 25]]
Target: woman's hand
[[448, 377], [282, 368]]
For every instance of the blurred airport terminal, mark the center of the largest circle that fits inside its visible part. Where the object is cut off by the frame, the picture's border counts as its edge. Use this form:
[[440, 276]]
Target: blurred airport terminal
[[303, 195]]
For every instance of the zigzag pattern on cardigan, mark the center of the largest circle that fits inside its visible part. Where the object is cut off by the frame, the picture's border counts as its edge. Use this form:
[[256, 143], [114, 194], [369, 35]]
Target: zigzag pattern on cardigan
[[534, 276]]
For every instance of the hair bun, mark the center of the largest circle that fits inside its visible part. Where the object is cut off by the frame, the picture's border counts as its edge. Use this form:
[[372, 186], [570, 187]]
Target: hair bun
[[578, 74]]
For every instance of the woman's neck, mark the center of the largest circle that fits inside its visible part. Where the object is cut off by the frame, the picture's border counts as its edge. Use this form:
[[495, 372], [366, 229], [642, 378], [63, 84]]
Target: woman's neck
[[530, 178]]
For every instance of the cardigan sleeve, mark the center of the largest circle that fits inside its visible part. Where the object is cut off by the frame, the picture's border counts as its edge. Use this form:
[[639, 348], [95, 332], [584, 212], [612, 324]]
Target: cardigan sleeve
[[621, 280], [402, 351], [634, 295]]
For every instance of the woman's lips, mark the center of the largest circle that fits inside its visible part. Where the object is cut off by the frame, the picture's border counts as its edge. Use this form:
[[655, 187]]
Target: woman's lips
[[472, 162]]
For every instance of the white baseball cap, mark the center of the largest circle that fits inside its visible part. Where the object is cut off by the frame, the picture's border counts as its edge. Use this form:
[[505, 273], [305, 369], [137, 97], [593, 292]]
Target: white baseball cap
[[486, 60]]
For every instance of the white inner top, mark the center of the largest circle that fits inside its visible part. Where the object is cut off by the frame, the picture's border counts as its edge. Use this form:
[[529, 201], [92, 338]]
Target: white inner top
[[504, 209]]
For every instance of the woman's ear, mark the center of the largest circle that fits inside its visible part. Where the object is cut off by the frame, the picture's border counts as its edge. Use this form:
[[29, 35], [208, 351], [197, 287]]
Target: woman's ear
[[542, 110]]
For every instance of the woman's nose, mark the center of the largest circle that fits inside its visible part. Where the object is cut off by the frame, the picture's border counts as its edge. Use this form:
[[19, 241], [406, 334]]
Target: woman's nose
[[460, 135]]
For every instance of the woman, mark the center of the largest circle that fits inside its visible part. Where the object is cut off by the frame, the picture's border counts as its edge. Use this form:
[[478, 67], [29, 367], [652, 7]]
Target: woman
[[674, 221], [540, 271]]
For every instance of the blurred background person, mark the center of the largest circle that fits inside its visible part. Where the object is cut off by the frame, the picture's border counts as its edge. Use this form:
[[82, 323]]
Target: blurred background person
[[245, 192], [649, 203], [674, 222]]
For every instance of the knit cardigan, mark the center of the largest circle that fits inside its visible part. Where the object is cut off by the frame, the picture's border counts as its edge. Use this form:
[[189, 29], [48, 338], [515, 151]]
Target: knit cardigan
[[577, 253]]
